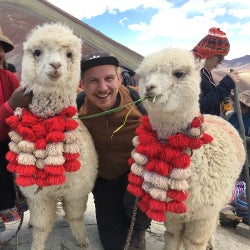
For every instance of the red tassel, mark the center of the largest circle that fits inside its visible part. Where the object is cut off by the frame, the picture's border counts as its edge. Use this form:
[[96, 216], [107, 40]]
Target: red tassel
[[13, 121], [26, 133], [55, 136], [42, 182], [54, 170], [156, 215], [163, 168], [143, 206], [146, 197], [72, 166], [56, 179], [130, 161], [54, 124], [178, 141], [25, 181], [11, 167], [135, 179], [182, 161], [135, 190], [195, 143], [206, 138], [27, 170], [177, 195], [40, 144], [11, 157], [70, 124], [28, 119], [157, 205], [39, 131], [69, 111], [176, 207], [41, 174], [146, 138], [69, 156], [197, 121]]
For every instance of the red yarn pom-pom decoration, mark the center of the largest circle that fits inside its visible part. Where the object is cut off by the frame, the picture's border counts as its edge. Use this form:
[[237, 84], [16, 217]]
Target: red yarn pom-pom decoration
[[72, 166], [55, 136], [156, 215], [135, 190], [27, 170], [56, 179], [13, 121], [176, 207], [54, 170], [69, 111], [177, 195], [70, 124], [25, 181], [135, 179]]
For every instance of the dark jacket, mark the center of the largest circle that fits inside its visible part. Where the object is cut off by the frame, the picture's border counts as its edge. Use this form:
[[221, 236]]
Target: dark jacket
[[233, 119], [211, 94]]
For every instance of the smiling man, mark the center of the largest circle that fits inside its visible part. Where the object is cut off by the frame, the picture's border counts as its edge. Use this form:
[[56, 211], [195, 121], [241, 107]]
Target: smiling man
[[112, 133]]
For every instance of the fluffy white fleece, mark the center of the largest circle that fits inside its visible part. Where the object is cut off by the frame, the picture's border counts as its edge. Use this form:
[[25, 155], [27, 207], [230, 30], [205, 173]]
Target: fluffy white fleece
[[51, 70], [170, 78]]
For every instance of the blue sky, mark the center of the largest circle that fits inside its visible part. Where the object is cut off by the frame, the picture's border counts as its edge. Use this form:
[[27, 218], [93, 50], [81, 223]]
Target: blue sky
[[146, 26]]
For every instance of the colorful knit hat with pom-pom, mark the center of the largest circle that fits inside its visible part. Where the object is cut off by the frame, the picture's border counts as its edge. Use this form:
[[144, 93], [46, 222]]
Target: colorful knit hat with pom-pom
[[214, 43]]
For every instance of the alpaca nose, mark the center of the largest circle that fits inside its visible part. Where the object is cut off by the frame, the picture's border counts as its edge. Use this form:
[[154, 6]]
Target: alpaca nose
[[55, 65], [150, 87]]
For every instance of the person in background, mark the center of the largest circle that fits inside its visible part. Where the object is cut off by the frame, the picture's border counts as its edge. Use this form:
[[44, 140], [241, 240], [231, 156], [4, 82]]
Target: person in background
[[102, 82], [212, 49], [9, 100], [244, 98], [238, 207]]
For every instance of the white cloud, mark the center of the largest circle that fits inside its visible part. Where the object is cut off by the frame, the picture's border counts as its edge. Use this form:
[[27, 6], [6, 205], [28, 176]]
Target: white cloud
[[183, 26], [122, 21]]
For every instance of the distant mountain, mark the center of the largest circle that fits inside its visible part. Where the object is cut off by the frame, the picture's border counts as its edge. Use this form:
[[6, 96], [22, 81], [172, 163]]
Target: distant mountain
[[239, 63]]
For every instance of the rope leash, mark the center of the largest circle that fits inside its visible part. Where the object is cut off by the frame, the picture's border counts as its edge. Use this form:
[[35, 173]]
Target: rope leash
[[110, 110], [131, 228]]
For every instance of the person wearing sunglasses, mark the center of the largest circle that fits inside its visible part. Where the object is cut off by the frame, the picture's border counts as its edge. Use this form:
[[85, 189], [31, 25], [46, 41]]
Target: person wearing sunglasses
[[212, 49]]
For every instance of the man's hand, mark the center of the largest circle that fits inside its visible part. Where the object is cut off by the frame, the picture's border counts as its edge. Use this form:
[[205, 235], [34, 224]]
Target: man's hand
[[20, 99], [235, 76]]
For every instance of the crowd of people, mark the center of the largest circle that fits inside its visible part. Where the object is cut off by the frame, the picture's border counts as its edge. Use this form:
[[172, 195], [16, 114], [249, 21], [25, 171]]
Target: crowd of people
[[105, 94]]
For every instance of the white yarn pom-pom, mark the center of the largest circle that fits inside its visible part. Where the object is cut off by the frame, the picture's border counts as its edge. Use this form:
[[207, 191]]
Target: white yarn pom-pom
[[40, 153], [26, 146], [26, 159], [139, 158], [71, 148], [54, 160], [14, 136], [14, 147], [55, 148]]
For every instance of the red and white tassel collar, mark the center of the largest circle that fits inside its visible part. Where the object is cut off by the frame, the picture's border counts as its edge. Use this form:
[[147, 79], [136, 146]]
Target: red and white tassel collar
[[42, 150], [159, 170]]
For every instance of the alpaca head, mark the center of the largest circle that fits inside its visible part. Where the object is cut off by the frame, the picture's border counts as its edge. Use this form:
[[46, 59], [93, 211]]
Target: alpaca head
[[51, 59], [170, 79]]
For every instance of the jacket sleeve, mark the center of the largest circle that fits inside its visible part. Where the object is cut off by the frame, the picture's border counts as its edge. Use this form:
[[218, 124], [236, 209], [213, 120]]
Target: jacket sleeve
[[211, 95], [4, 128]]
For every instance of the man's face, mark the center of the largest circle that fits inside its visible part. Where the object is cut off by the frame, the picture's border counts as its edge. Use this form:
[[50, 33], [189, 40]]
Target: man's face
[[101, 84]]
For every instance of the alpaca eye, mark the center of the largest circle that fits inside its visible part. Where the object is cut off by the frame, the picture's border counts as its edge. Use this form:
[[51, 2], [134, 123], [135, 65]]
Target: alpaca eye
[[37, 52], [179, 74], [69, 55]]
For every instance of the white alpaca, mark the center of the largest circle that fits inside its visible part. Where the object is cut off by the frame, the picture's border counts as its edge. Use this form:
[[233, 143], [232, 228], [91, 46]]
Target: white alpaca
[[187, 196], [56, 159]]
